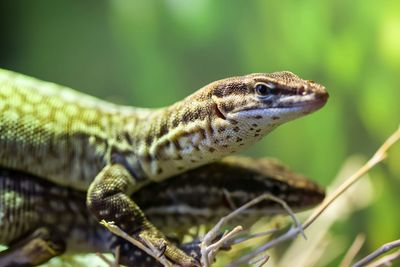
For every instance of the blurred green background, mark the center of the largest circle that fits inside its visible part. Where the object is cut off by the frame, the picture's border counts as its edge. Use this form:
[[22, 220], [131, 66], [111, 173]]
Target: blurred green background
[[153, 53]]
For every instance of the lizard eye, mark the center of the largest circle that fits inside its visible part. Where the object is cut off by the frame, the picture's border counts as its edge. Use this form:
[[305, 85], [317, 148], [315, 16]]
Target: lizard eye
[[264, 89]]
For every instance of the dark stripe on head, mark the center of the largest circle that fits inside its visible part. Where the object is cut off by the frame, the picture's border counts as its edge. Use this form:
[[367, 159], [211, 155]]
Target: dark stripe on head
[[163, 129], [235, 87], [149, 139], [175, 122], [228, 106]]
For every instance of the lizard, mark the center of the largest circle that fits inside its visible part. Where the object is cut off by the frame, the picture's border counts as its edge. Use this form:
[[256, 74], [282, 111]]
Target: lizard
[[56, 217], [110, 151]]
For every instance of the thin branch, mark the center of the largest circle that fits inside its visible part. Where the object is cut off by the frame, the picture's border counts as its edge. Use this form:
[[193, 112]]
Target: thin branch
[[115, 262], [107, 261], [253, 236], [353, 250], [385, 261], [150, 251], [229, 199], [246, 258], [213, 249], [376, 158], [260, 261], [383, 249], [213, 233], [117, 255]]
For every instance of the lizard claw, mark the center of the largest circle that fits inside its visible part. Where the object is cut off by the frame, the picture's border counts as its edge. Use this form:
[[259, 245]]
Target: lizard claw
[[163, 248]]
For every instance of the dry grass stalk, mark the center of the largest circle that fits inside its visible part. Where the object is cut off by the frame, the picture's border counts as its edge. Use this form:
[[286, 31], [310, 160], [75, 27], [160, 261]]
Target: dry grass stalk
[[353, 250], [150, 250], [383, 249]]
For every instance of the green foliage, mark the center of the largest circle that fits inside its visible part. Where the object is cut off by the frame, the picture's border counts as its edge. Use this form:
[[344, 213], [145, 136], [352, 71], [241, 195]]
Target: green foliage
[[152, 53]]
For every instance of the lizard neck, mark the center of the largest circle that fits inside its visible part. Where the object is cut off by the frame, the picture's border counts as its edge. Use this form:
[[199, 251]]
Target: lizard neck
[[191, 133]]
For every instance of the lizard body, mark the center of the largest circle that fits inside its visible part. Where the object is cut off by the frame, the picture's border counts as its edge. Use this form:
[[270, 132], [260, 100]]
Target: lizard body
[[198, 197], [111, 151]]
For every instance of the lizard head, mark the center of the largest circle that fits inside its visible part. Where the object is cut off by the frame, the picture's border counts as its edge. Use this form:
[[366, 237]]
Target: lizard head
[[267, 98], [255, 104]]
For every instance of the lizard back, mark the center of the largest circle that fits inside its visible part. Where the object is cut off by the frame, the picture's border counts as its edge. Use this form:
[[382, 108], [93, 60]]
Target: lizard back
[[54, 132]]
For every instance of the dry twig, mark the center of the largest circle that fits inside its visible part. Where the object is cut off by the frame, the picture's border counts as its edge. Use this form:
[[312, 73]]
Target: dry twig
[[353, 250], [253, 236], [150, 251], [379, 155], [115, 262], [261, 261], [383, 249], [385, 261], [207, 250]]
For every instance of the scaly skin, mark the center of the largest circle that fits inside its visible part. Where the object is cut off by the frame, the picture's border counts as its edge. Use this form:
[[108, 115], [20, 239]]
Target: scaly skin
[[111, 151], [196, 197]]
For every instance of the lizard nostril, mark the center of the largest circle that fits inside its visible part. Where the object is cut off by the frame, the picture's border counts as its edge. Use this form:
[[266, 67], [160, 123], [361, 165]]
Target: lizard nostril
[[300, 91]]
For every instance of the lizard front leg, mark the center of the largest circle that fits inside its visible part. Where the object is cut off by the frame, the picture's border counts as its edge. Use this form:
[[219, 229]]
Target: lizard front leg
[[108, 199]]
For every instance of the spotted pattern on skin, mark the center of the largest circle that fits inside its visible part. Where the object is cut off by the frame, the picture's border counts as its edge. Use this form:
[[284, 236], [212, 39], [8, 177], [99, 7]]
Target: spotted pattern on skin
[[78, 131], [70, 139]]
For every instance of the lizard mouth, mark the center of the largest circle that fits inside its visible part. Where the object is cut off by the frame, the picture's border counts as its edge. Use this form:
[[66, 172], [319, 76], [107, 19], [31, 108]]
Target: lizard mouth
[[312, 104], [289, 103], [303, 101]]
